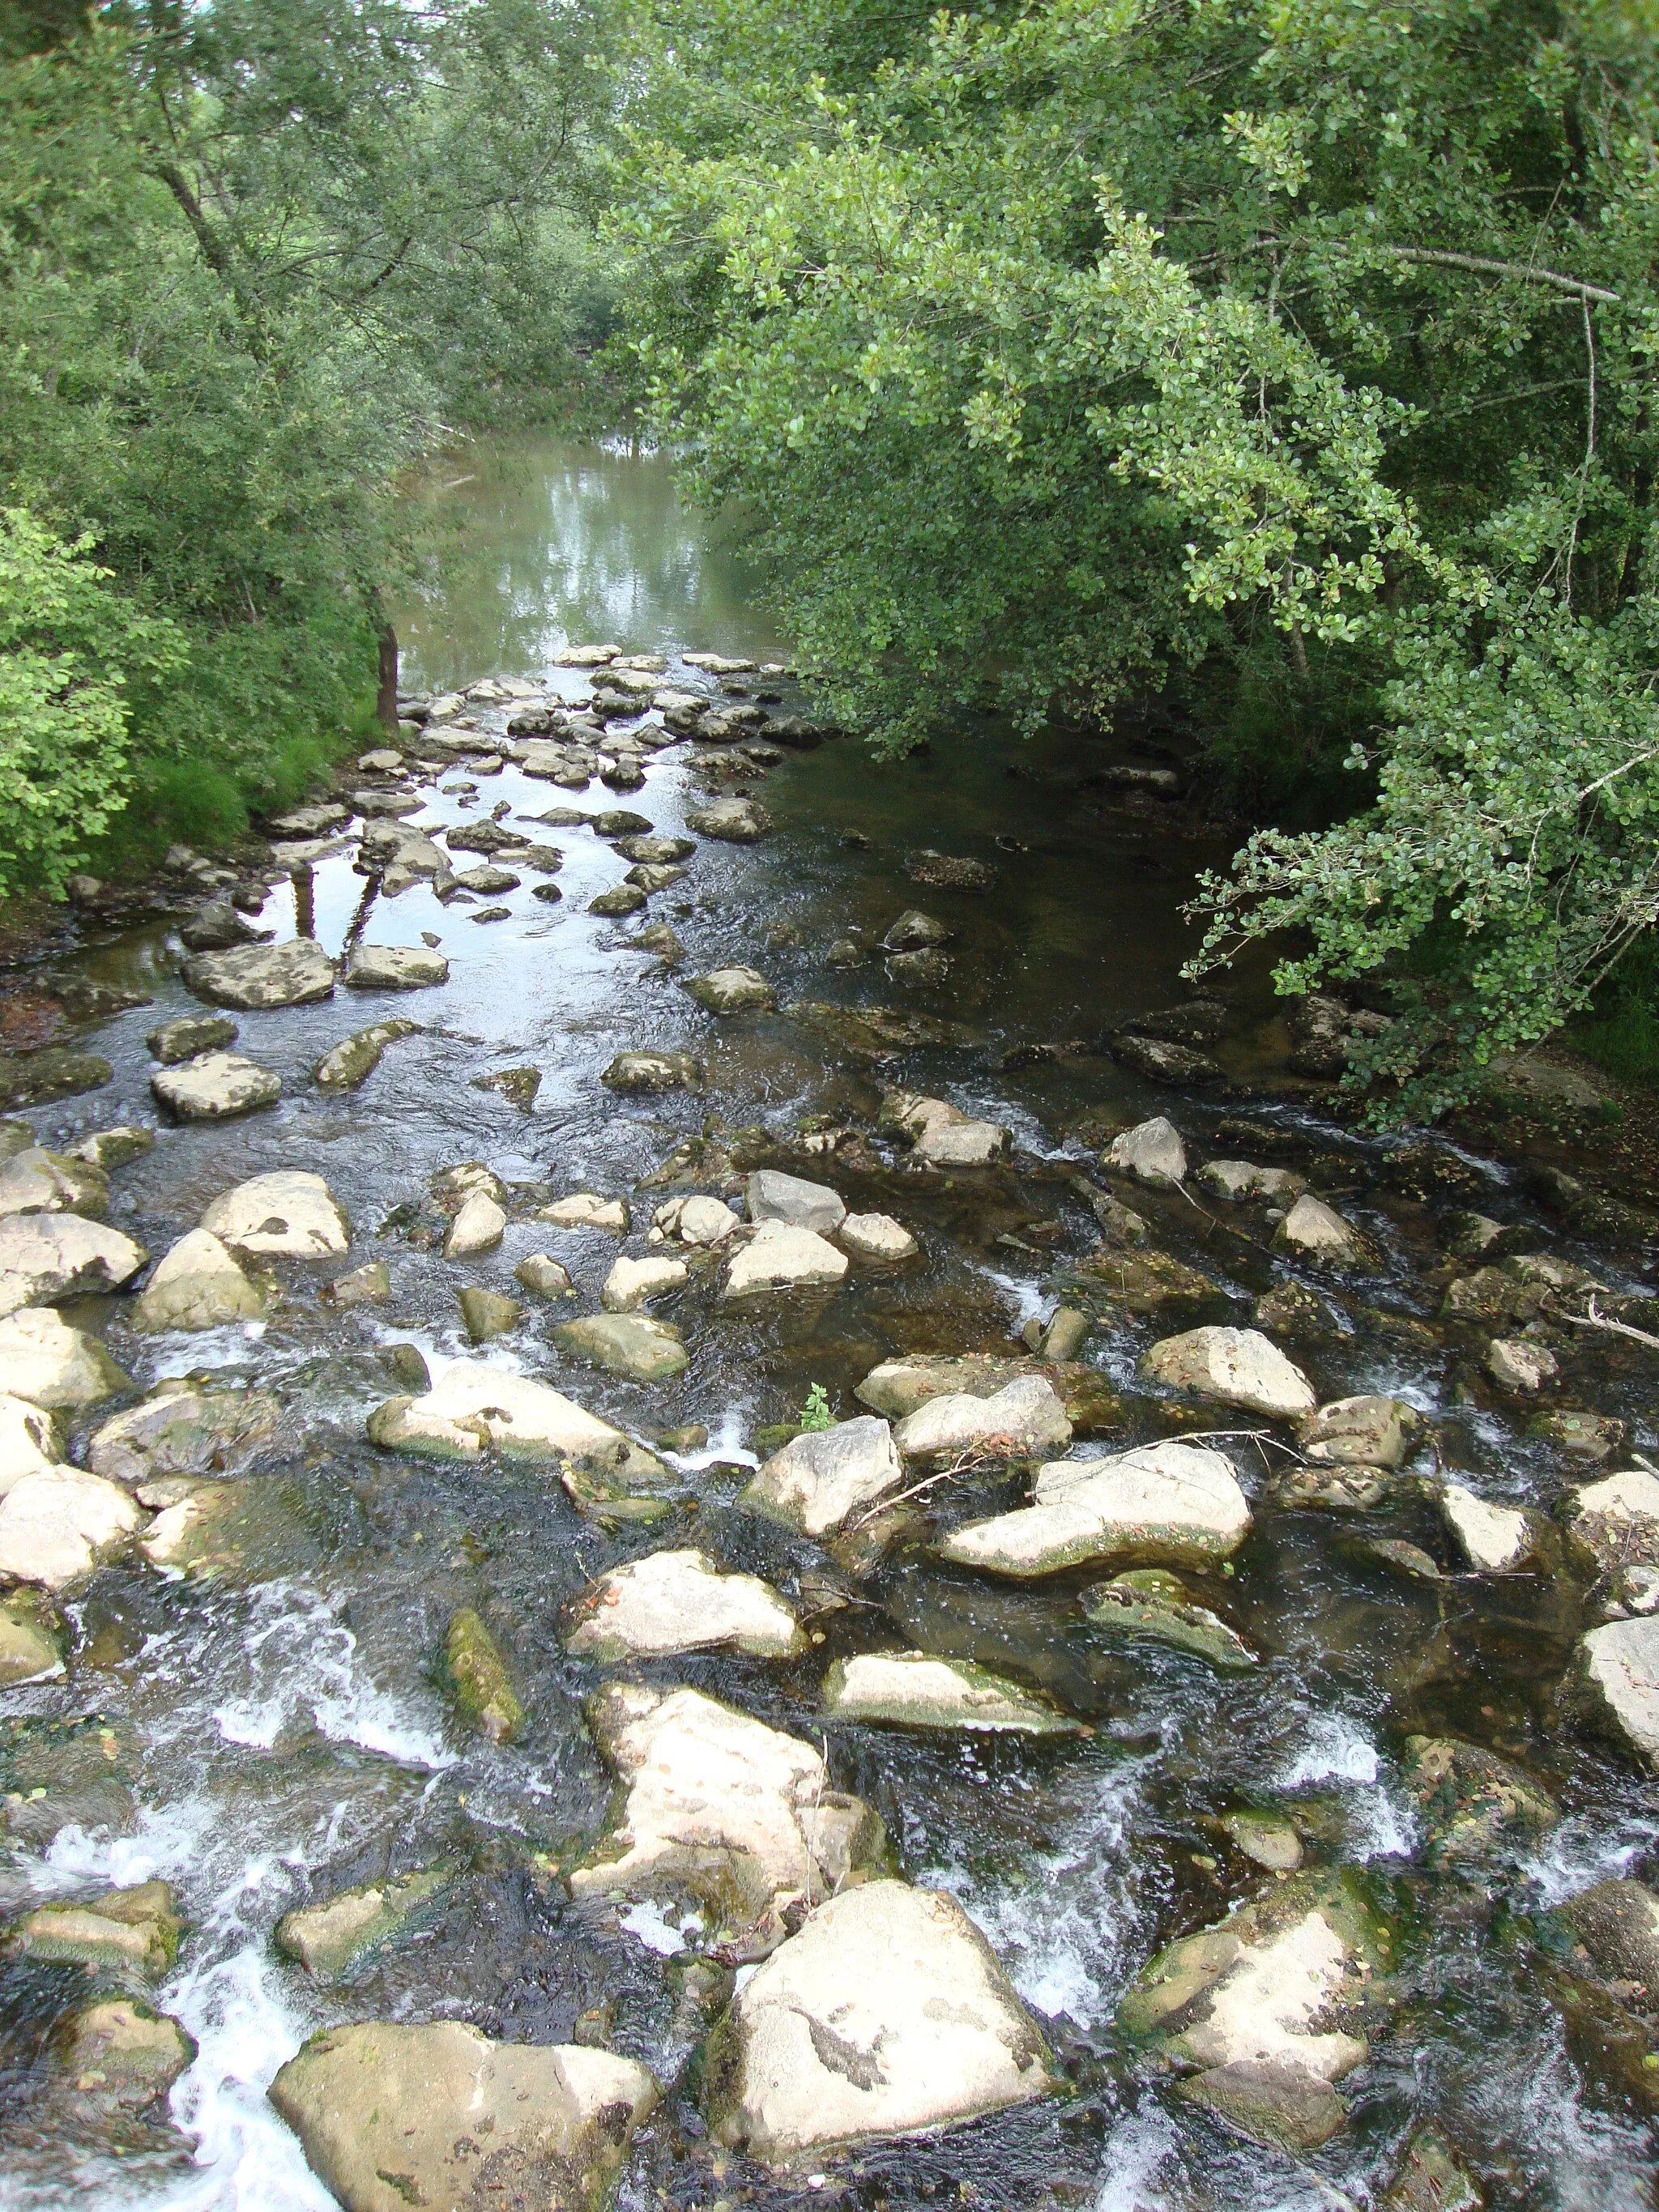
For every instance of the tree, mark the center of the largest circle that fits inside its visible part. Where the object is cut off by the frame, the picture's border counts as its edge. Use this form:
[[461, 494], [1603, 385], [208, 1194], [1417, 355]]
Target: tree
[[1295, 358]]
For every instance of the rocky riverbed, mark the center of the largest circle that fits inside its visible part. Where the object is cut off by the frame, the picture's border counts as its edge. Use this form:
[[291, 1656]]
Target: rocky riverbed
[[660, 1537]]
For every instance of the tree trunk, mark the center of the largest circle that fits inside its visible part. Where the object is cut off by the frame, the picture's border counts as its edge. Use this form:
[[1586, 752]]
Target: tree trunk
[[386, 705]]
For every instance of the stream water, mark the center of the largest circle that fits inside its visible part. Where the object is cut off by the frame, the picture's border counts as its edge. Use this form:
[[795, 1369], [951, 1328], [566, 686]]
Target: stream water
[[279, 1731]]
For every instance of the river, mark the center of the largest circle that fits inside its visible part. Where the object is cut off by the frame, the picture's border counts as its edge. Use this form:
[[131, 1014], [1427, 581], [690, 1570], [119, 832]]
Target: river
[[279, 1729]]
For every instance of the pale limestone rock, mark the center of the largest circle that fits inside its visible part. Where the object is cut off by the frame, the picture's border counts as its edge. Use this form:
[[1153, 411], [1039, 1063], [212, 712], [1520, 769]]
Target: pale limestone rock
[[1363, 1431], [45, 1360], [1318, 1232], [36, 1180], [941, 1134], [1526, 1369], [780, 1258], [1024, 1417], [392, 2115], [216, 1086], [285, 1215], [198, 1284], [182, 1429], [394, 968], [877, 1237], [60, 1522], [672, 1601], [478, 1226], [185, 1536], [823, 1476], [888, 2014], [697, 1223], [631, 1283], [1621, 1662], [1241, 1180], [771, 1196], [585, 1209], [1152, 1151], [1617, 1520], [912, 1689], [1162, 1504], [29, 1440], [328, 1939], [129, 1931], [29, 1650], [1239, 1366], [630, 1344], [1494, 1538], [473, 1406], [297, 973], [47, 1256]]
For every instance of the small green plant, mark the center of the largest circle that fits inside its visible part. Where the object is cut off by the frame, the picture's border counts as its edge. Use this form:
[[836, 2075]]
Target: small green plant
[[815, 1414]]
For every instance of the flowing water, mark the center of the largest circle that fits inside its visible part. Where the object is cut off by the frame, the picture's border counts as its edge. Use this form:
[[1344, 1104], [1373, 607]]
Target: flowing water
[[279, 1731]]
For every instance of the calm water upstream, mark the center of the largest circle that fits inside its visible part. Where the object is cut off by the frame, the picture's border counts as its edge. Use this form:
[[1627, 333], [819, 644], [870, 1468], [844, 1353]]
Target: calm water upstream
[[269, 1733]]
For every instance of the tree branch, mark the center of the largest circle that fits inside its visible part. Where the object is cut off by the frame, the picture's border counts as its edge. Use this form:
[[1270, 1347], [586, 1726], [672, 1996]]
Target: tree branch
[[213, 251], [1574, 287]]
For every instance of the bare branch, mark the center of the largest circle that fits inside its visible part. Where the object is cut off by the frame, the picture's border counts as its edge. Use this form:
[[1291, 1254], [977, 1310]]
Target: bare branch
[[1574, 287]]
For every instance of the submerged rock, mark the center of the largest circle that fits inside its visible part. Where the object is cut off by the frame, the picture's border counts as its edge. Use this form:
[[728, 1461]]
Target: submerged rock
[[1239, 1366], [45, 1360], [329, 1939], [1267, 1838], [771, 1196], [1430, 2180], [630, 1344], [124, 1931], [1166, 1504], [252, 976], [949, 872], [488, 1314], [477, 1673], [674, 1602], [29, 1651], [1618, 1923], [780, 1258], [1619, 1663], [732, 990], [392, 2115], [36, 1078], [912, 1689], [1149, 1601], [117, 2059], [367, 1286], [58, 1524], [183, 1429], [47, 1256], [1472, 1800], [285, 1215], [197, 1285], [724, 1809], [888, 2014], [822, 1477], [1024, 1417]]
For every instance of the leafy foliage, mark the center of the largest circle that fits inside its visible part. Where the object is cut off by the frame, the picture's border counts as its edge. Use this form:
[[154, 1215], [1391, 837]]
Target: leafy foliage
[[1295, 356]]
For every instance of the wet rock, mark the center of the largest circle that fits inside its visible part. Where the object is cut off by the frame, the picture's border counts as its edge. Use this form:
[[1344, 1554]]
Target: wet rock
[[189, 1036], [1163, 1504], [1593, 1436], [1267, 1999], [621, 822], [623, 898], [58, 1524], [472, 1408], [1518, 1289], [771, 1196], [478, 1226], [632, 1283], [653, 1071], [354, 1059], [634, 1345], [940, 1134], [255, 977], [898, 1387], [116, 2058], [1472, 1801], [1149, 1601], [182, 1428], [698, 1223], [542, 1275], [919, 971], [1495, 1540], [1066, 1333], [674, 1602], [1161, 1059], [732, 991], [916, 932], [1293, 1309], [190, 1533], [1618, 1923], [45, 1360], [1238, 1181], [846, 952], [1152, 1151], [391, 2116], [656, 852], [1267, 1838], [483, 1688], [731, 821], [1022, 1418], [44, 1257], [28, 1649], [822, 1477], [887, 2015], [1615, 1522], [717, 1806], [1430, 2180], [660, 939], [216, 1086], [1364, 1431], [1619, 1663], [329, 1939], [877, 1237], [124, 1931], [1470, 1235], [1138, 1282], [217, 926], [105, 1149], [518, 1085], [1317, 1233], [1526, 1369], [1121, 1227], [946, 872], [488, 1314], [487, 881], [198, 1284], [585, 1209], [912, 1689], [30, 1439], [876, 1033], [394, 968], [36, 1078], [39, 1182], [369, 1285], [778, 1257], [1238, 1366]]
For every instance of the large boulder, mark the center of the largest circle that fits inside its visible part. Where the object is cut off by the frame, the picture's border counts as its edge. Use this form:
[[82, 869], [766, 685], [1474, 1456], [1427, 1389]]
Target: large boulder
[[1619, 1662], [673, 1601], [255, 977], [182, 1428], [1239, 1366], [914, 1689], [392, 2115], [394, 968], [634, 1345], [1162, 1504], [940, 1134], [771, 1196], [1265, 2004], [823, 1476], [1024, 1417], [286, 1215], [722, 1808], [780, 1258], [35, 1180], [58, 1524], [216, 1086], [45, 1360], [1152, 1151], [198, 1284], [47, 1256], [888, 2014]]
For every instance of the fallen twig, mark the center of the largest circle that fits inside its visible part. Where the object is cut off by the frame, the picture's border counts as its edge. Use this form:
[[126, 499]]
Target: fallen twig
[[1611, 1328], [968, 1464]]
